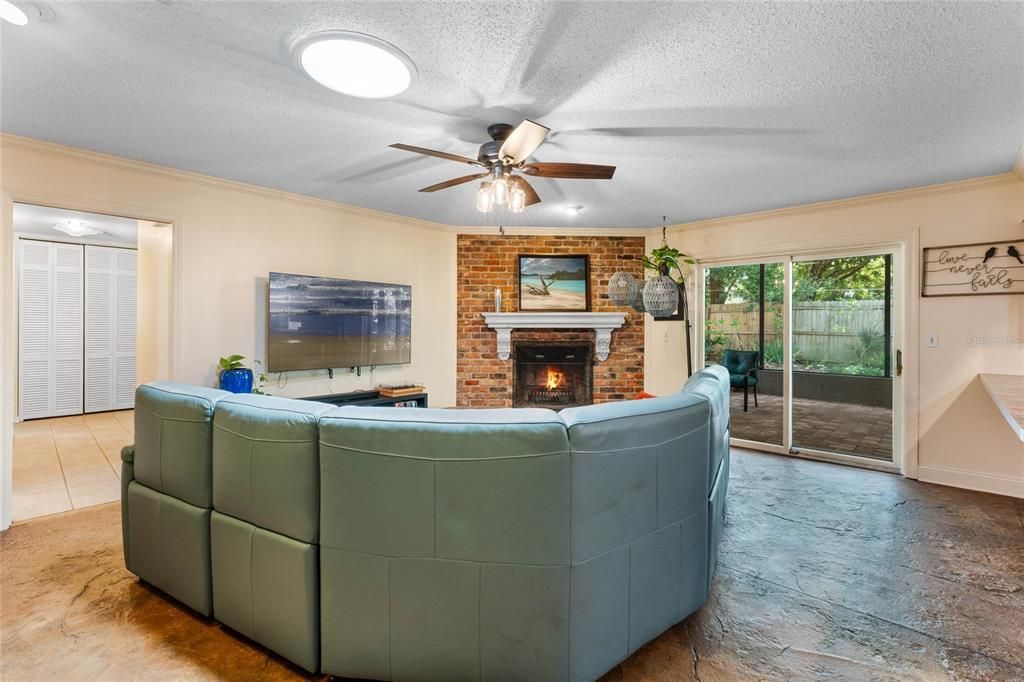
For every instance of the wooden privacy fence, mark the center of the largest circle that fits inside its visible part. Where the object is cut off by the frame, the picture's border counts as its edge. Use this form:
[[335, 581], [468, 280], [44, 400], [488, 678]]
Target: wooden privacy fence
[[827, 333]]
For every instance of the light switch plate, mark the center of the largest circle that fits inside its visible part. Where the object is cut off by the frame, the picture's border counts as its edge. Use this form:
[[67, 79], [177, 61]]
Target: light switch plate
[[933, 340]]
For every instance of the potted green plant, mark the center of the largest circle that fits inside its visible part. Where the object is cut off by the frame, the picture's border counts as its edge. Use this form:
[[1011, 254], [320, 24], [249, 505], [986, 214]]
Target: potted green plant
[[664, 259], [234, 376]]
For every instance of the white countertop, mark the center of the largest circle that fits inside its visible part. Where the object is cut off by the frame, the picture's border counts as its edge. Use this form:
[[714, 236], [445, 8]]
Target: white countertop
[[1007, 392]]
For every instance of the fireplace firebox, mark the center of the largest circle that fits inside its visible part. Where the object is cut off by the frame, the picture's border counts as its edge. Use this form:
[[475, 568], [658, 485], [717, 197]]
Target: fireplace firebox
[[554, 375]]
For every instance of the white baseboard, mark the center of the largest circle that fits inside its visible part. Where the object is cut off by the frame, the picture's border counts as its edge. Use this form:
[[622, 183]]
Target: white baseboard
[[958, 478]]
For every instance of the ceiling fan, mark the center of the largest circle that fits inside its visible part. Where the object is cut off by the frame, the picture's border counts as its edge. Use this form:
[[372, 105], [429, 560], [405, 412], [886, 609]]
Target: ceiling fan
[[503, 163]]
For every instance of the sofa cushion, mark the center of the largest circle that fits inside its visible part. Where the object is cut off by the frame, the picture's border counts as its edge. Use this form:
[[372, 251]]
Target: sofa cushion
[[712, 383], [637, 466], [173, 426], [267, 587], [480, 485], [266, 458], [168, 545]]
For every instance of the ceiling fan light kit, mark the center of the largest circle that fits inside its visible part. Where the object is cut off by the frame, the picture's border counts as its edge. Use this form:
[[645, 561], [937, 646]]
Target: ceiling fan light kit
[[503, 160], [500, 188], [484, 198], [517, 200]]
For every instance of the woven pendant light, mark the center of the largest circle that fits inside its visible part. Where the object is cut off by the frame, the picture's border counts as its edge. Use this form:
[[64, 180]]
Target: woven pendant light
[[638, 300], [622, 288], [661, 296]]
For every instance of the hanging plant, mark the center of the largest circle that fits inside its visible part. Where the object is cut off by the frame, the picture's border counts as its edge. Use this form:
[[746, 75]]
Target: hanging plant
[[666, 258]]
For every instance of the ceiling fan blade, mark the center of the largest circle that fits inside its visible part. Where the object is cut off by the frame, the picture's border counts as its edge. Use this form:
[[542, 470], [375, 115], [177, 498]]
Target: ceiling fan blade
[[523, 141], [434, 152], [582, 171], [531, 194], [454, 181]]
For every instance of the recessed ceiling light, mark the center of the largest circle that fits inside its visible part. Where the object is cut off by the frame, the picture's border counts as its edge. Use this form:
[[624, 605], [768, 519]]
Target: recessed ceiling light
[[76, 228], [573, 208], [355, 64], [13, 14]]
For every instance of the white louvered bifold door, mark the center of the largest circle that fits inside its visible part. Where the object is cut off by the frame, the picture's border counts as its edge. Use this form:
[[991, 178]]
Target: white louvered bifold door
[[49, 329], [67, 328], [125, 279], [99, 328], [110, 302], [35, 333]]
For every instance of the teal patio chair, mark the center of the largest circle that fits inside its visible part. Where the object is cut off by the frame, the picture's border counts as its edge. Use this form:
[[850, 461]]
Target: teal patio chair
[[742, 367]]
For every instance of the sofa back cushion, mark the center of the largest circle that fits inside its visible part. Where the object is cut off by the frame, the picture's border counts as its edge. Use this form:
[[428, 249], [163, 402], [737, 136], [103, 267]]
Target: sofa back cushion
[[712, 383], [474, 485], [637, 466], [173, 447], [266, 463]]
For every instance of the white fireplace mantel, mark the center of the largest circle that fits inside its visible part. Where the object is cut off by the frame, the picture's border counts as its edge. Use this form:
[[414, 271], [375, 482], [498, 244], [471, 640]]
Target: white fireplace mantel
[[601, 323]]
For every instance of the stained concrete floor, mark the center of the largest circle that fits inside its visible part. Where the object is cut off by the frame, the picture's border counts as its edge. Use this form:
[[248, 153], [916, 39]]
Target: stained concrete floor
[[825, 572]]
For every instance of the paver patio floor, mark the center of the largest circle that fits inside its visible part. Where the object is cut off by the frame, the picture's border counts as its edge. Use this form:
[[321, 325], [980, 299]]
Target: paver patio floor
[[817, 424]]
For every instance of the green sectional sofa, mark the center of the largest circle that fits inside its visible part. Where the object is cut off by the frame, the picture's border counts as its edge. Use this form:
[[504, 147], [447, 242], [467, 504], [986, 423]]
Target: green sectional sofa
[[402, 544]]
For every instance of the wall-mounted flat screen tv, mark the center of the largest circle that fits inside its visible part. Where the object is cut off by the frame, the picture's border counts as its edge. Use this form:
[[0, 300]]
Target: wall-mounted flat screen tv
[[321, 322]]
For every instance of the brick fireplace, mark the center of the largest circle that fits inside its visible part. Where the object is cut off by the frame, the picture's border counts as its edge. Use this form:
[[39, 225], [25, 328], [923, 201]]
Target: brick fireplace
[[488, 262]]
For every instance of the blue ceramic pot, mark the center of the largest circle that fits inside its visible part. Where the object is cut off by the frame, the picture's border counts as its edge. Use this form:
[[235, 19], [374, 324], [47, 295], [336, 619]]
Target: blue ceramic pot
[[236, 380]]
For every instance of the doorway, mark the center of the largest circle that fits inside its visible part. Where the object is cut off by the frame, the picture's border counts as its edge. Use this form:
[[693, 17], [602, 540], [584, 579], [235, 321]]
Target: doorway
[[811, 345], [79, 323]]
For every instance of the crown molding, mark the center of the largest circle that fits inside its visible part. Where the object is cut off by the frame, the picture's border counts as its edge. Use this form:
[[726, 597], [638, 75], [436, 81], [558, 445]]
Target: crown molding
[[513, 231], [853, 202], [8, 140]]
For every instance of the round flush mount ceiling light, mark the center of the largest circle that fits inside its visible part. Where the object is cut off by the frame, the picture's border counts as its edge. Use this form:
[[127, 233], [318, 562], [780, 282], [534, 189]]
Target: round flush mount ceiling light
[[573, 209], [12, 14], [355, 64]]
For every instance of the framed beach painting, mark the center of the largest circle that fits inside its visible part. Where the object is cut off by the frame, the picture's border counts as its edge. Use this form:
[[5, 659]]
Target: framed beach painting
[[554, 283]]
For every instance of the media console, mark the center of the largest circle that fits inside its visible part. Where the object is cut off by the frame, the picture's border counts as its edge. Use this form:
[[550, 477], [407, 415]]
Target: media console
[[370, 399]]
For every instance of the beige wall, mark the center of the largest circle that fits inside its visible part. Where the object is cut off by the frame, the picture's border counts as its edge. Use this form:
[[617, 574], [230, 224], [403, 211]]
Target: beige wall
[[155, 293], [962, 438], [226, 238]]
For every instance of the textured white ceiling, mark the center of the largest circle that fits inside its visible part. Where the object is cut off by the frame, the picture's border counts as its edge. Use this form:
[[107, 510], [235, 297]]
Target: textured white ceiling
[[38, 221], [735, 107]]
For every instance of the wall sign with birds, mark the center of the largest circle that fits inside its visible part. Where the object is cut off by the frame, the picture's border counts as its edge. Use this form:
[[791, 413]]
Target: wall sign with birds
[[985, 268]]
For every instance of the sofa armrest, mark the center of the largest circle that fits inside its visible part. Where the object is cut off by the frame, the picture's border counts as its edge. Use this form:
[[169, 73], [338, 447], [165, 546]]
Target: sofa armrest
[[127, 476]]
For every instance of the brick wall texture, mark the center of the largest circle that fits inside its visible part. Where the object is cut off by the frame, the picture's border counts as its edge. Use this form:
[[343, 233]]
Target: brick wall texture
[[489, 262]]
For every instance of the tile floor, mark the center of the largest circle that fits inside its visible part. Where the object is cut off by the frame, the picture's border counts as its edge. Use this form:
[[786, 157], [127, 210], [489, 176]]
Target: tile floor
[[817, 424], [68, 463]]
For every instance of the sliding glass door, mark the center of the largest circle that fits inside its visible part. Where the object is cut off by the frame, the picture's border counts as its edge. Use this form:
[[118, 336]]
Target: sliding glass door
[[810, 344], [843, 355], [743, 330]]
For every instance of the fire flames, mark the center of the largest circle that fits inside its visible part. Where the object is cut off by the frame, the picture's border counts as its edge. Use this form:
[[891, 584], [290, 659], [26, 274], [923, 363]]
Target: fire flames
[[555, 379]]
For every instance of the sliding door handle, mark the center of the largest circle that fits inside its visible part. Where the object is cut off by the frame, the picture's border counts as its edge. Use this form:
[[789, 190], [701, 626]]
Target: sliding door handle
[[899, 362]]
